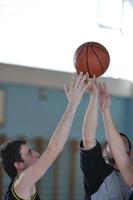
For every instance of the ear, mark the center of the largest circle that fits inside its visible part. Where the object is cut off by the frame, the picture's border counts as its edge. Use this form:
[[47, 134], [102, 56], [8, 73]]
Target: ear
[[104, 152], [19, 166]]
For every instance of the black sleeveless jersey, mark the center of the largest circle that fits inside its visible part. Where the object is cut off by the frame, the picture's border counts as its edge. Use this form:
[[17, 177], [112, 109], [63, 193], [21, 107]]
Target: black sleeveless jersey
[[11, 195]]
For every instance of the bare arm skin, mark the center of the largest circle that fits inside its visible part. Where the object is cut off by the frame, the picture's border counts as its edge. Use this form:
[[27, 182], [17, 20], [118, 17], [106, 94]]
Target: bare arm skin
[[114, 139], [91, 117], [31, 175]]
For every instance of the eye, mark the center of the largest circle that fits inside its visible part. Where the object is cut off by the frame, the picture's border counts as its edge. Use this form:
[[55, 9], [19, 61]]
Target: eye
[[29, 151]]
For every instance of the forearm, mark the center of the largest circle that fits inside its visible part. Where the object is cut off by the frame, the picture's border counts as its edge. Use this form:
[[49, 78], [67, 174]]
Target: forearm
[[90, 123], [74, 95], [118, 148], [60, 135], [32, 174], [55, 145]]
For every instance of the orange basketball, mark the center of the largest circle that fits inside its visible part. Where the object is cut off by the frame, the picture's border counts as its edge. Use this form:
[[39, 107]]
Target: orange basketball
[[91, 57]]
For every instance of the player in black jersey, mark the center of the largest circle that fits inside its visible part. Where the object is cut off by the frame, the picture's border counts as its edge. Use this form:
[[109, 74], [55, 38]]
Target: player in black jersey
[[102, 179], [25, 166], [115, 141]]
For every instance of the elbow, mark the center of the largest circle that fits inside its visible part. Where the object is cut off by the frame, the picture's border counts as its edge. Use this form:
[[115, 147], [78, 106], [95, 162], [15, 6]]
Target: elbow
[[87, 143]]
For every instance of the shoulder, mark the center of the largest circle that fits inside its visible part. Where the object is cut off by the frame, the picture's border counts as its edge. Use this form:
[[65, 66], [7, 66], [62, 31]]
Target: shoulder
[[95, 149], [93, 155]]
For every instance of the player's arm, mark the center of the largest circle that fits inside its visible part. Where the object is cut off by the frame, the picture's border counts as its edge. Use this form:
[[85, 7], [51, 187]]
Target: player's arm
[[92, 163], [91, 116], [59, 137], [114, 138]]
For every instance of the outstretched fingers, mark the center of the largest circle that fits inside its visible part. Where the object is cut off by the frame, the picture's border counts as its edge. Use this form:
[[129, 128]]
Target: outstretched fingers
[[82, 81], [78, 79], [73, 80], [85, 87], [66, 89], [102, 88]]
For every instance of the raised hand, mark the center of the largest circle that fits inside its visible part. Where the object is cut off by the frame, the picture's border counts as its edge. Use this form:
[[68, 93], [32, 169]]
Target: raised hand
[[104, 97], [93, 86], [77, 88]]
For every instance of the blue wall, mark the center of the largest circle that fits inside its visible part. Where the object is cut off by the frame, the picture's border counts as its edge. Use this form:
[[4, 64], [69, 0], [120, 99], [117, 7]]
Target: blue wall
[[29, 114]]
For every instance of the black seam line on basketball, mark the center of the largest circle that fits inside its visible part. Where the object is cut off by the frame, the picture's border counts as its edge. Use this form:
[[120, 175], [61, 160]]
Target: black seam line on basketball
[[103, 48], [79, 55], [98, 59], [88, 44], [87, 63]]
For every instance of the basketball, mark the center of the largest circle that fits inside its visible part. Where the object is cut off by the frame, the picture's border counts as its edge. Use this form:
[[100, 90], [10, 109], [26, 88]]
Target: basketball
[[91, 57]]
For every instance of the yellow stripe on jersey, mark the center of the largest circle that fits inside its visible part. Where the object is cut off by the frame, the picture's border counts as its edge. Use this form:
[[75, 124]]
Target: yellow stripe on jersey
[[18, 198]]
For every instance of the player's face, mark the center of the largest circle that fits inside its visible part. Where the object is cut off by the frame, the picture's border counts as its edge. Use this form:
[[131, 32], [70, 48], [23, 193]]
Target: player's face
[[28, 155], [107, 154]]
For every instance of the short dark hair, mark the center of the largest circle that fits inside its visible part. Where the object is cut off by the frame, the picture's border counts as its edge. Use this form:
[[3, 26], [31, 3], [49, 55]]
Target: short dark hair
[[10, 153], [129, 143], [104, 144]]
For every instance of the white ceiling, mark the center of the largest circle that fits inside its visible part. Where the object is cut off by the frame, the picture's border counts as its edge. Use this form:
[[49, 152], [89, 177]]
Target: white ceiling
[[46, 33]]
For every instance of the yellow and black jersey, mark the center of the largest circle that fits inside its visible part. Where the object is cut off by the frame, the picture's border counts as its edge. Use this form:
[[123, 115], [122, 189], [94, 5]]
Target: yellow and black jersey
[[11, 195]]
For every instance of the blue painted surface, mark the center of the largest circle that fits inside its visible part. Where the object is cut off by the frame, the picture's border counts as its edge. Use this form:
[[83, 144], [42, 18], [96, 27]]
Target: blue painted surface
[[28, 114]]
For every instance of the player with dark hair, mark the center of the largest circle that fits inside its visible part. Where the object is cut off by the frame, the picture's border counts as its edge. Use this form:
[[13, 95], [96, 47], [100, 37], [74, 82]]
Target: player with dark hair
[[102, 179], [115, 141], [25, 166], [10, 153]]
